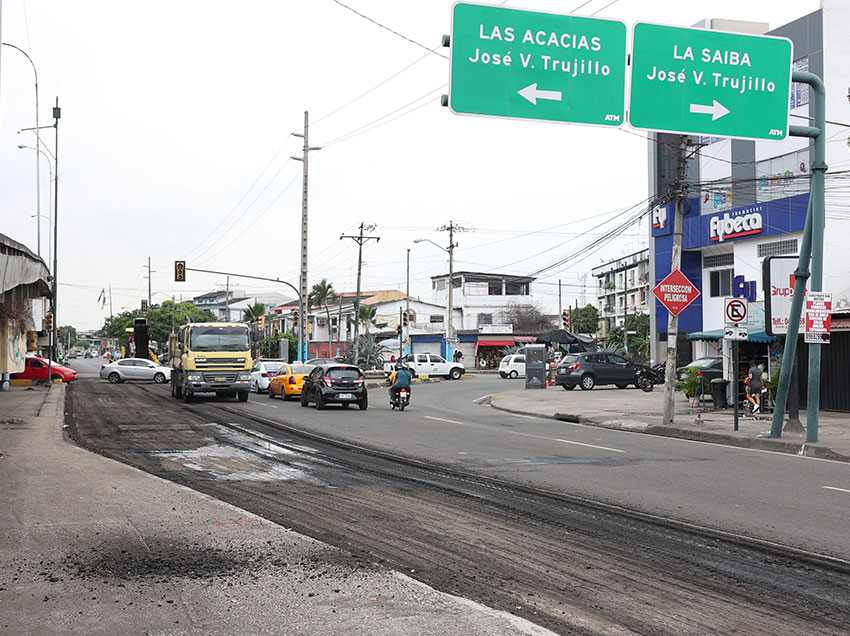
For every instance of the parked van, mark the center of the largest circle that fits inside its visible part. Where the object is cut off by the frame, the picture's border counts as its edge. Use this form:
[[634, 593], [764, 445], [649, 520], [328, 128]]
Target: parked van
[[512, 366]]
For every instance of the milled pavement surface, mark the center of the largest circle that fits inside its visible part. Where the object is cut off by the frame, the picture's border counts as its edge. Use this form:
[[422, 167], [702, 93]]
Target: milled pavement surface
[[92, 546]]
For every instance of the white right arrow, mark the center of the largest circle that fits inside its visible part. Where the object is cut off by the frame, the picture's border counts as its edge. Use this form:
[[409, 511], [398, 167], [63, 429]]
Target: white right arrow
[[716, 110], [532, 94]]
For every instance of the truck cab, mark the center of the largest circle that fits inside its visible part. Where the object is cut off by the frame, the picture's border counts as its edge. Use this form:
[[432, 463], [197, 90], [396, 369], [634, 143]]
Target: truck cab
[[211, 357]]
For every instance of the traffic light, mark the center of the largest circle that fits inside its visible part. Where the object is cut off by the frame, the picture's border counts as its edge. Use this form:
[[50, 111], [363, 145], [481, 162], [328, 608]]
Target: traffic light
[[179, 271], [294, 315], [565, 319], [261, 322], [405, 319], [48, 322], [398, 330]]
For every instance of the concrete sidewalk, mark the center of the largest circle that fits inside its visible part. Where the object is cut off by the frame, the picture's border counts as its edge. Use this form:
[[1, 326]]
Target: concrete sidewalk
[[92, 546], [636, 411]]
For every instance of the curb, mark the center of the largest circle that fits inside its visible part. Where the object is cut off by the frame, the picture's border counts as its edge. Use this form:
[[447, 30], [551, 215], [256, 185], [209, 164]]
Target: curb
[[759, 443]]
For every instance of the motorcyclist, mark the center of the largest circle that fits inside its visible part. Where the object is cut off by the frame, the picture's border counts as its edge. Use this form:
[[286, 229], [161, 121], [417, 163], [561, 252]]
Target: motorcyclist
[[399, 379]]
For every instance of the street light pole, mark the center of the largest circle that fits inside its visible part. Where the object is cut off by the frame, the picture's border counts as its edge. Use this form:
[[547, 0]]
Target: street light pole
[[46, 155], [38, 145]]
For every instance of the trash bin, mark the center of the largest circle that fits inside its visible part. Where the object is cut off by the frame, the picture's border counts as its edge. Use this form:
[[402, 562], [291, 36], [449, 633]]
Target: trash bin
[[718, 393]]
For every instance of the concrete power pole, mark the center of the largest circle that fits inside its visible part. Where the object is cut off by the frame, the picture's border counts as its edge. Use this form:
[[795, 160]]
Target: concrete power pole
[[451, 228], [302, 301], [676, 263], [360, 239], [148, 266]]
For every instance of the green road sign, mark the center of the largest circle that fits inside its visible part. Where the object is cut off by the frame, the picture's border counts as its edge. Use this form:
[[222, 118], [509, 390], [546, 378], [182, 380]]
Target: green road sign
[[532, 65], [710, 82]]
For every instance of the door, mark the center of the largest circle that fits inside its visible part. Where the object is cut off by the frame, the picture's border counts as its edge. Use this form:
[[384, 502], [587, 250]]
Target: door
[[127, 369], [145, 369], [519, 364], [37, 369], [421, 364], [438, 365], [620, 369]]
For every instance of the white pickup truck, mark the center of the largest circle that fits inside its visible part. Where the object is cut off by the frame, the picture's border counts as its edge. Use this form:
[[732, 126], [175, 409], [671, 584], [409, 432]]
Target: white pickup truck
[[431, 365]]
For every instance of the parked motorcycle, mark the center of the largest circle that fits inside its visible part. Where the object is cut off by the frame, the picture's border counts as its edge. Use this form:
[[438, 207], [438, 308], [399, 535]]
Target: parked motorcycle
[[400, 400], [647, 377]]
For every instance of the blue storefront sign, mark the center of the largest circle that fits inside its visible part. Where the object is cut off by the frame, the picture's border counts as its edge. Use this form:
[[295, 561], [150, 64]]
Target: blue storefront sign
[[771, 218]]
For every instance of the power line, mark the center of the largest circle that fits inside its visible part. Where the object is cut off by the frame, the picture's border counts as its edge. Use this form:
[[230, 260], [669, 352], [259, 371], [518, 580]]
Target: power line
[[605, 7], [386, 28]]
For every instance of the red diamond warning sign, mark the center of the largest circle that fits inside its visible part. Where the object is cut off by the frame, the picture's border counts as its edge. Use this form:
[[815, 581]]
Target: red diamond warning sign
[[676, 292]]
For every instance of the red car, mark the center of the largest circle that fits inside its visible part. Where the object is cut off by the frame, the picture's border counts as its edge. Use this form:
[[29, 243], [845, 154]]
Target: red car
[[36, 369]]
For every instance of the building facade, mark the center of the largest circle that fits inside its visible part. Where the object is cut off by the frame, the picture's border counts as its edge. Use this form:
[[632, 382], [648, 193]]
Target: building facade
[[622, 288], [482, 298]]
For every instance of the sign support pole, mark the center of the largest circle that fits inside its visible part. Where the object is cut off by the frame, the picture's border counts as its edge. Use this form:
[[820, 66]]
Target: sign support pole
[[735, 374], [811, 249], [676, 263]]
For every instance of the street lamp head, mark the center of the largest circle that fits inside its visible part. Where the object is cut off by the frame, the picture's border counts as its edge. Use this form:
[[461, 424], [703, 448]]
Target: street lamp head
[[418, 240]]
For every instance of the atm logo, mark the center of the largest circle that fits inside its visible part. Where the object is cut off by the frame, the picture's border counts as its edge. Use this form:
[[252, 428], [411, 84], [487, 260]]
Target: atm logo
[[659, 218], [725, 227]]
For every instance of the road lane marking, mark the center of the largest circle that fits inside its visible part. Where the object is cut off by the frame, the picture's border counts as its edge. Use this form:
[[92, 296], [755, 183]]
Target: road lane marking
[[523, 417], [442, 419], [567, 441], [836, 488], [530, 435]]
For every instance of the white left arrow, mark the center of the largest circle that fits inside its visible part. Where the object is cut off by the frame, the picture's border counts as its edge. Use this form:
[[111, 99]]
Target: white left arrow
[[716, 110], [532, 94]]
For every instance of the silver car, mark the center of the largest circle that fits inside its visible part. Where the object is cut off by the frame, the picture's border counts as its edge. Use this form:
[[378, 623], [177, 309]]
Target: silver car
[[135, 369], [263, 372]]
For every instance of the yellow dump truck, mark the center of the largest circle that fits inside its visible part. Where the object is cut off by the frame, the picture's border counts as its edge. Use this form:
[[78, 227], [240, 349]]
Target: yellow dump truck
[[211, 357]]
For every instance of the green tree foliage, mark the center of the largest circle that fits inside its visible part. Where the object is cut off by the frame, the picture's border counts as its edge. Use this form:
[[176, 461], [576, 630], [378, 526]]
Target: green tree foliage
[[160, 319], [253, 312], [269, 347], [64, 332], [585, 319], [370, 353], [322, 295], [638, 343], [366, 316]]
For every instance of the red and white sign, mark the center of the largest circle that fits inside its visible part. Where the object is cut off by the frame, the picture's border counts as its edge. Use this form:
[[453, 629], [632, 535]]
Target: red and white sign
[[735, 310], [818, 317], [779, 293], [676, 292]]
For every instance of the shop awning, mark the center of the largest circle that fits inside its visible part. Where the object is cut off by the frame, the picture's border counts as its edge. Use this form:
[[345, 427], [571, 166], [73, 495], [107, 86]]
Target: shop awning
[[533, 339], [503, 342], [717, 334]]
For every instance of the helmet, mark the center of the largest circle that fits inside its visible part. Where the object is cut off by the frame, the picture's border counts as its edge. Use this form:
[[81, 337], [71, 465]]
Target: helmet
[[399, 366]]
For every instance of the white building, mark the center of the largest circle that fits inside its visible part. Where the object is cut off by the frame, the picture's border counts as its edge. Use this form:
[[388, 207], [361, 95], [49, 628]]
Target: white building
[[482, 298], [622, 288]]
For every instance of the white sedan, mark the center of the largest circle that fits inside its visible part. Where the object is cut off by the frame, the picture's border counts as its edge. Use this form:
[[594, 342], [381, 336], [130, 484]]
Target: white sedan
[[263, 372], [135, 369]]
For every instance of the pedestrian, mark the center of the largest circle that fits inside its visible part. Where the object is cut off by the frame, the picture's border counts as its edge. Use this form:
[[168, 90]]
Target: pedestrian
[[754, 386], [458, 356]]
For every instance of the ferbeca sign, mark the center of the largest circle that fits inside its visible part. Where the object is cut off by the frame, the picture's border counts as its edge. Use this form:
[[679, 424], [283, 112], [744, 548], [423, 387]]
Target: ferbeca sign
[[676, 292]]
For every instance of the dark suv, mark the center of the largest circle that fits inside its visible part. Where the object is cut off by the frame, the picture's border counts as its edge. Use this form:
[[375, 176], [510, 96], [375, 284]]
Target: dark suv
[[335, 383], [590, 369]]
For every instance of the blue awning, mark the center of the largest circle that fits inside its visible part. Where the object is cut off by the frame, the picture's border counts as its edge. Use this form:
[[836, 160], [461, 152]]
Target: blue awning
[[717, 334]]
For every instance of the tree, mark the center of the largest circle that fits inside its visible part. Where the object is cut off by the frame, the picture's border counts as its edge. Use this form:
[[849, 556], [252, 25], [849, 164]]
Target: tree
[[64, 332], [370, 354], [323, 294], [585, 319], [638, 342], [253, 312], [160, 319], [366, 316], [527, 319]]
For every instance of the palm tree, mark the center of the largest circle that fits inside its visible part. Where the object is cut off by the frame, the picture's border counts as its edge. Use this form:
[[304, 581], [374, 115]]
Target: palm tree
[[253, 312], [366, 316], [323, 294]]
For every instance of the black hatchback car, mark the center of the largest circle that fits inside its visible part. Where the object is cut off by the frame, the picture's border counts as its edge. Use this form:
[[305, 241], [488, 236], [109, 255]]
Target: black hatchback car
[[588, 370], [335, 383]]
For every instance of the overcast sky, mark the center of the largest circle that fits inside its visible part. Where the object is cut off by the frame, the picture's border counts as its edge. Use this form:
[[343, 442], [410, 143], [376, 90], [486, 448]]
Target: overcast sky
[[175, 139]]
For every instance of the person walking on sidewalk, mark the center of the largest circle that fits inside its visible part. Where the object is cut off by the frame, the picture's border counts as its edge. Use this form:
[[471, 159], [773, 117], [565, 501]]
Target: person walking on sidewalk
[[754, 387]]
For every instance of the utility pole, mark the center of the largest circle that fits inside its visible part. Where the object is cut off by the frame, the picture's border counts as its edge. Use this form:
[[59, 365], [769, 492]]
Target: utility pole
[[148, 266], [560, 305], [302, 301], [360, 239], [227, 299], [406, 305], [676, 263], [110, 300], [57, 113], [451, 228]]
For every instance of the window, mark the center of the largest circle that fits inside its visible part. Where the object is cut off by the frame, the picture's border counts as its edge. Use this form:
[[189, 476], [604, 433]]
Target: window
[[720, 283], [516, 289], [718, 260], [519, 359], [799, 92], [440, 284], [615, 359], [219, 339], [494, 288], [777, 248], [435, 359], [125, 363], [456, 282], [642, 296], [485, 319], [436, 318], [343, 373], [37, 364]]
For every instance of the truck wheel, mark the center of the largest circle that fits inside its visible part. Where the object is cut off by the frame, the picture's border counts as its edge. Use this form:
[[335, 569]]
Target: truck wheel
[[456, 373], [187, 396], [243, 396]]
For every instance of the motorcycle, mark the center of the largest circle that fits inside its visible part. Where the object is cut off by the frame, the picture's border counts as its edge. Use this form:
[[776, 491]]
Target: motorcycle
[[647, 377], [400, 400]]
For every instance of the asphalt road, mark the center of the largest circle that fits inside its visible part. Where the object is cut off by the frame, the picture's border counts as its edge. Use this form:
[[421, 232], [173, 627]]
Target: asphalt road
[[565, 565], [797, 501]]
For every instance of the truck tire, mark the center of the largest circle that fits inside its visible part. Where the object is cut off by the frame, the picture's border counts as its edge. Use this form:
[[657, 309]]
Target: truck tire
[[243, 396], [187, 395], [456, 373]]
